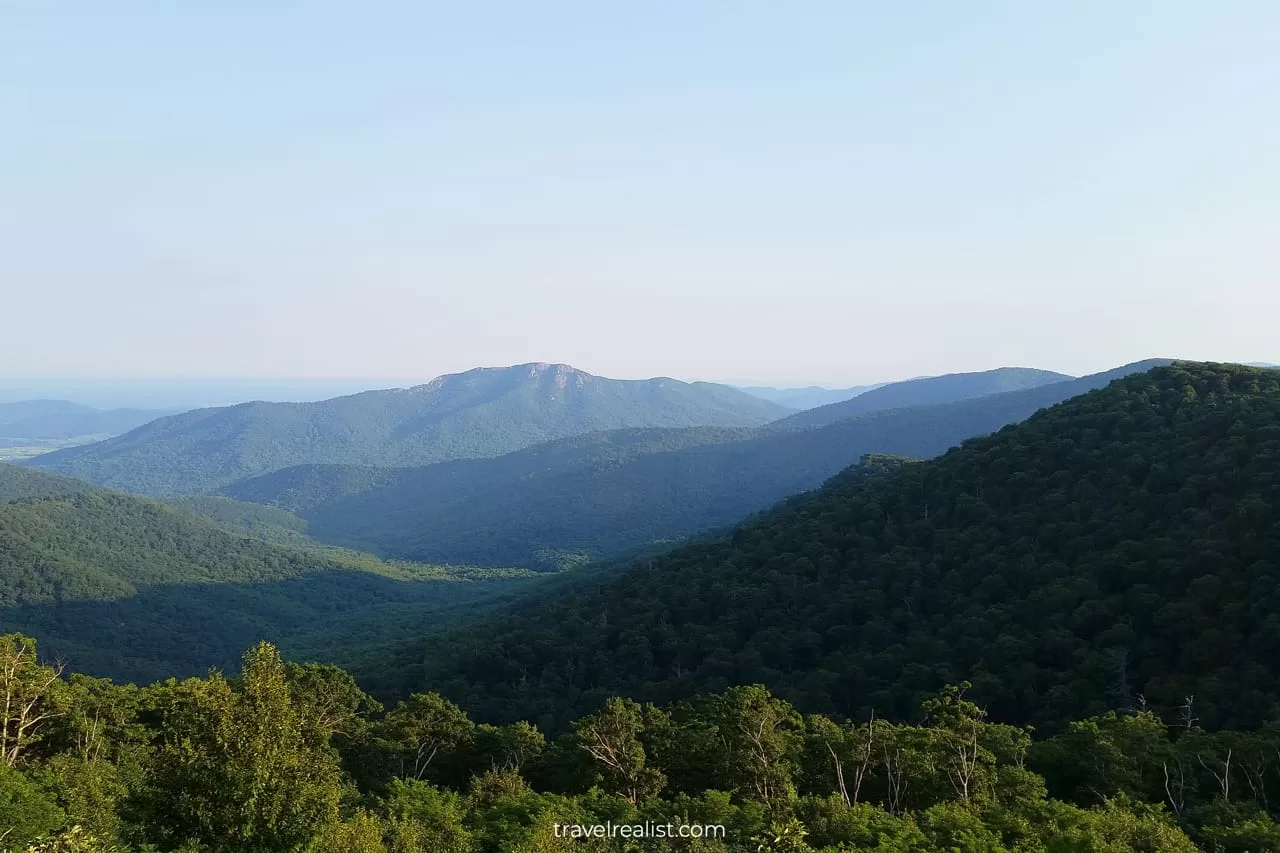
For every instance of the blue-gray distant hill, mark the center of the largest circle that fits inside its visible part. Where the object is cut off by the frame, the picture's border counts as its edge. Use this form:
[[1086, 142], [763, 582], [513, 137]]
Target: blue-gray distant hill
[[481, 413], [602, 496], [809, 397], [928, 391], [59, 420]]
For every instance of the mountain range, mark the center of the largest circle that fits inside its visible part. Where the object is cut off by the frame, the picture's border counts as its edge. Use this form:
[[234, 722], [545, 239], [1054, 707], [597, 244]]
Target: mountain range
[[1110, 549], [1113, 552], [481, 413], [605, 495]]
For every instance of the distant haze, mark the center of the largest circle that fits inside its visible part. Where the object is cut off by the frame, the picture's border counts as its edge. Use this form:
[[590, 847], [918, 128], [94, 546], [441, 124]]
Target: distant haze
[[832, 193], [179, 392]]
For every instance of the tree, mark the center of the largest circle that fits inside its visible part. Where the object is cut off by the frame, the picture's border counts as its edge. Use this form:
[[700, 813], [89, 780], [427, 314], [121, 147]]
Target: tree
[[28, 692], [360, 833], [506, 747], [613, 740], [756, 739], [1120, 824], [329, 697], [419, 731], [100, 752], [237, 769], [846, 754], [957, 725], [784, 836], [426, 818], [27, 813], [1097, 758]]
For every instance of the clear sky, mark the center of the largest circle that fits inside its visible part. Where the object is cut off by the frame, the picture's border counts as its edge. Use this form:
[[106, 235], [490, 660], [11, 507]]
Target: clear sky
[[773, 191]]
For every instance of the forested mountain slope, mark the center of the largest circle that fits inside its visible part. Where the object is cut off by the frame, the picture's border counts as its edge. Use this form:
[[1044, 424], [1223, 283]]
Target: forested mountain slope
[[601, 496], [477, 414], [260, 521], [928, 391], [17, 482], [130, 587], [1115, 550], [492, 511], [306, 487]]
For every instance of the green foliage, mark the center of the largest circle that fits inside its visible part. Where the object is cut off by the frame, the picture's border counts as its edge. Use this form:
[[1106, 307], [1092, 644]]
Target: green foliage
[[361, 833], [75, 839], [267, 523], [253, 769], [476, 414], [128, 587], [428, 818], [785, 836], [254, 764], [18, 483], [1115, 549], [613, 740], [417, 732], [27, 812], [1102, 571], [750, 738], [1118, 826]]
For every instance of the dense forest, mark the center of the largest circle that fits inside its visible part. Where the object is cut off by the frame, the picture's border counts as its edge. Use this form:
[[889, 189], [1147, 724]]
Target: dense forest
[[1057, 638], [17, 483], [1116, 550], [295, 757], [609, 494], [477, 414], [132, 588], [554, 505]]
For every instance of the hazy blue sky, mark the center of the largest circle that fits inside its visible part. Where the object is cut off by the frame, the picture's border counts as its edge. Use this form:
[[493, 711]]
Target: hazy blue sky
[[831, 191]]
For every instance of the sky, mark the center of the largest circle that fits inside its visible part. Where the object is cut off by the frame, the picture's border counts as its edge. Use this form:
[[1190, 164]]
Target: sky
[[834, 192]]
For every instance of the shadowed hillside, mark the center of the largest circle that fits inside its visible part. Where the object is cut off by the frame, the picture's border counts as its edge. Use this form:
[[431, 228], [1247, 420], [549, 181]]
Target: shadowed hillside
[[132, 588], [601, 496]]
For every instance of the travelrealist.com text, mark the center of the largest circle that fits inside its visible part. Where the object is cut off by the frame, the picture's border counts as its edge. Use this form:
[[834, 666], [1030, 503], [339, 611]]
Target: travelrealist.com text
[[648, 829]]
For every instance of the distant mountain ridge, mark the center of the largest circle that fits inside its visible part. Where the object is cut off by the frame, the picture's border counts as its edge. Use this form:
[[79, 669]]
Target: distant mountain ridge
[[600, 496], [43, 420], [926, 391], [808, 397], [481, 413]]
